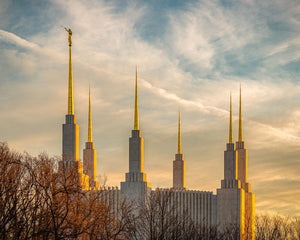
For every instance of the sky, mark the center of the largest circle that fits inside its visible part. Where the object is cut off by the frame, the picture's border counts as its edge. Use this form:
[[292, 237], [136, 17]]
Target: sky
[[189, 53]]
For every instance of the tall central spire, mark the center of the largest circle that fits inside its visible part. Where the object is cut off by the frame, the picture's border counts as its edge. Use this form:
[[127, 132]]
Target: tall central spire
[[240, 118], [70, 93], [90, 118], [136, 107], [230, 122], [179, 133]]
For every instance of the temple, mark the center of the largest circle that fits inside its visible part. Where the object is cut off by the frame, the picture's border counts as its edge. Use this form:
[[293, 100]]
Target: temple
[[232, 205]]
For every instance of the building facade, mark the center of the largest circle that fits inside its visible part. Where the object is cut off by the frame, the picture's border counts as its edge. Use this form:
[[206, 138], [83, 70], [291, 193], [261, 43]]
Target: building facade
[[233, 205]]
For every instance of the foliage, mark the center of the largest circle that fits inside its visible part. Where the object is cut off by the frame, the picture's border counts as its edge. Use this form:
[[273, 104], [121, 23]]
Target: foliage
[[41, 198], [277, 227]]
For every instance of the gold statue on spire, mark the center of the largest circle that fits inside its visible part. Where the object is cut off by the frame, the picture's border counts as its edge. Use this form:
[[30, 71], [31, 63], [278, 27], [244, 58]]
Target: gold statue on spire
[[70, 93], [70, 35], [230, 122], [136, 107], [90, 118], [240, 117], [179, 133]]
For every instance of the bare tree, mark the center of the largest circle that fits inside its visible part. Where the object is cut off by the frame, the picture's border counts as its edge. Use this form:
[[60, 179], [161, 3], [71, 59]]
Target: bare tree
[[15, 195], [39, 200], [161, 219], [277, 227]]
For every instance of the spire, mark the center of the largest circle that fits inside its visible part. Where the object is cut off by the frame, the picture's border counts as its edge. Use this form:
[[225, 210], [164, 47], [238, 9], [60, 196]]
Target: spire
[[240, 117], [90, 118], [179, 133], [230, 122], [136, 107], [70, 93]]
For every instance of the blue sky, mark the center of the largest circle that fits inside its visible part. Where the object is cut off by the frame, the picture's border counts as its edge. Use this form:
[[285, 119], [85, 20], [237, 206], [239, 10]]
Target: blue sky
[[191, 53]]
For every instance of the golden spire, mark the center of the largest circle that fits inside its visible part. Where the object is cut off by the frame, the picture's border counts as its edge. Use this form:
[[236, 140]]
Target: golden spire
[[230, 122], [179, 133], [90, 118], [70, 93], [136, 107], [240, 117]]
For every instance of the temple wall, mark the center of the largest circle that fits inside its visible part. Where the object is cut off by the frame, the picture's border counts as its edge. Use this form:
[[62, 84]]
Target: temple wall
[[231, 209], [111, 196], [70, 139], [249, 215], [179, 172], [200, 206], [135, 191]]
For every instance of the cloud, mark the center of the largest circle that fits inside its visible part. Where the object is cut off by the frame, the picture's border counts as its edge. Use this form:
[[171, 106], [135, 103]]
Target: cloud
[[14, 39], [171, 96], [207, 50], [205, 31]]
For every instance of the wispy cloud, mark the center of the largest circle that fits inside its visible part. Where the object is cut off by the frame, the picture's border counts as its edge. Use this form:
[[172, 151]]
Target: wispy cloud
[[14, 39], [206, 50], [171, 96]]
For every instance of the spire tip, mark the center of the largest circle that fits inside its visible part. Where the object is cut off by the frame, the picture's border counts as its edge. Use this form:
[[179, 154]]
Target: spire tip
[[230, 122], [70, 92], [90, 118], [179, 132], [240, 116], [136, 109]]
